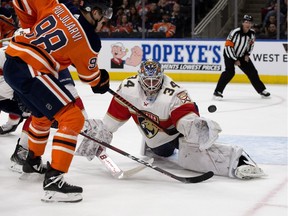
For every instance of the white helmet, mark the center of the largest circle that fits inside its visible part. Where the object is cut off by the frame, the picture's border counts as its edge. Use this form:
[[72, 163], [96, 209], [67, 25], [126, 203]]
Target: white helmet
[[151, 78]]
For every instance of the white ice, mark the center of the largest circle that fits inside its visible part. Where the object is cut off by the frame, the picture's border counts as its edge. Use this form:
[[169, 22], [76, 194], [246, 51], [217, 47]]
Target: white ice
[[259, 125]]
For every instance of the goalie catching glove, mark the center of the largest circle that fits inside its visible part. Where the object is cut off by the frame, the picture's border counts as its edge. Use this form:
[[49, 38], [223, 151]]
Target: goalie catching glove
[[198, 130], [104, 84], [95, 129]]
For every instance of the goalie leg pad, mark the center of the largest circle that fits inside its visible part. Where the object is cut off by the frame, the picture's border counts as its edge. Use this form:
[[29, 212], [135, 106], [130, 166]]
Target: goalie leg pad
[[222, 159]]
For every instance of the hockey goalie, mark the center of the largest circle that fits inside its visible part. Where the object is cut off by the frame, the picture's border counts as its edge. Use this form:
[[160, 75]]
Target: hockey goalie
[[170, 105]]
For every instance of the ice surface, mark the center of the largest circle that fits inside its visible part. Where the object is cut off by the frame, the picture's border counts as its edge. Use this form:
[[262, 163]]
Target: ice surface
[[259, 125]]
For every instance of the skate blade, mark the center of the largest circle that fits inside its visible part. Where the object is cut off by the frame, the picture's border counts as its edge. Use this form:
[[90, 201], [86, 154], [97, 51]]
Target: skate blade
[[15, 167], [54, 196]]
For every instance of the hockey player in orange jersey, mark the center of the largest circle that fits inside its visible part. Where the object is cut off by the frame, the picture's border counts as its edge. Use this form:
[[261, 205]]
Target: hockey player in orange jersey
[[60, 35]]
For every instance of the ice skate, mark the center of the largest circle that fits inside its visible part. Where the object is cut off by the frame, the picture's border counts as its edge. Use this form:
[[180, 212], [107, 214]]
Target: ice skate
[[33, 168], [249, 172], [18, 158], [265, 94], [8, 127], [57, 189], [217, 95], [248, 169]]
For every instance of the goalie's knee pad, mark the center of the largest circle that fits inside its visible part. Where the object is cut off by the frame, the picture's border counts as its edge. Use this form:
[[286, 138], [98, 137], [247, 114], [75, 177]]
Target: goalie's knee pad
[[222, 159]]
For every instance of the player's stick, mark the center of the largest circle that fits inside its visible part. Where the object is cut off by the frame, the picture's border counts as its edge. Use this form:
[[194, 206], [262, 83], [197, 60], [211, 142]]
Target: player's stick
[[194, 179], [5, 39], [112, 167], [171, 131]]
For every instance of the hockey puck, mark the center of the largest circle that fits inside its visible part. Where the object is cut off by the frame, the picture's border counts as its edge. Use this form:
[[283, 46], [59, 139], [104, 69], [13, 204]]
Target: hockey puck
[[212, 108]]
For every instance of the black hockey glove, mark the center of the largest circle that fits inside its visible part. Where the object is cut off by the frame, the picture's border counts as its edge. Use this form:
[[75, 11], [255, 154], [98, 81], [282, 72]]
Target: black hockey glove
[[20, 103], [104, 84]]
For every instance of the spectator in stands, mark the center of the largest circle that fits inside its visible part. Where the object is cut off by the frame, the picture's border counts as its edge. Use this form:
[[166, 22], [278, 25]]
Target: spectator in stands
[[258, 31], [269, 6], [165, 26], [126, 6], [154, 15], [124, 26], [134, 18], [177, 19], [148, 25], [116, 19], [107, 27], [138, 5], [7, 4], [271, 31], [165, 5], [274, 13], [272, 20]]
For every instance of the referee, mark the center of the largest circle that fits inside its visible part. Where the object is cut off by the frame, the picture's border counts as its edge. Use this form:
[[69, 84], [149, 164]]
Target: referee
[[238, 46]]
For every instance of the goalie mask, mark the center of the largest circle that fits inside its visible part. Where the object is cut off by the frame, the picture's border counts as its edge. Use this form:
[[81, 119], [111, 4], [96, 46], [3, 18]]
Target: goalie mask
[[151, 78], [103, 6]]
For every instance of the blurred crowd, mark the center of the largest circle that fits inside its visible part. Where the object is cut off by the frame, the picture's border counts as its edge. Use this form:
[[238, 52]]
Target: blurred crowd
[[162, 18], [268, 28], [158, 18], [172, 18]]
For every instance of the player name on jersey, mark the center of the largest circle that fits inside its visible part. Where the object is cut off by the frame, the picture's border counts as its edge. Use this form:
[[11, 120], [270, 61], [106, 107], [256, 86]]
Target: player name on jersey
[[67, 20]]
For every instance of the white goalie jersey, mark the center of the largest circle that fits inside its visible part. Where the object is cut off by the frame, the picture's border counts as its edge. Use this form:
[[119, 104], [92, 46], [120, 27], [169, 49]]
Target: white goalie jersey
[[172, 103]]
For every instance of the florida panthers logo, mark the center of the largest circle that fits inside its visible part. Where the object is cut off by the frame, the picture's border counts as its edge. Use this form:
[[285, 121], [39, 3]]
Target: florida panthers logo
[[149, 129]]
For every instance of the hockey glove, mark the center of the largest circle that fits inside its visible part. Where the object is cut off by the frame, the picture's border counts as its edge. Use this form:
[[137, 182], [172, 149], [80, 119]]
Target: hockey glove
[[95, 129], [20, 103], [104, 84]]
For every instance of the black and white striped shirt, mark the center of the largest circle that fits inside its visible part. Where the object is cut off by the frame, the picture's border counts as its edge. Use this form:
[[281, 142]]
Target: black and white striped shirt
[[239, 43]]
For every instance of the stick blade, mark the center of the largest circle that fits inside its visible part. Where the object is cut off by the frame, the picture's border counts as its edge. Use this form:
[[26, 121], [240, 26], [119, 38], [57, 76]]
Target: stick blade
[[197, 179], [131, 172]]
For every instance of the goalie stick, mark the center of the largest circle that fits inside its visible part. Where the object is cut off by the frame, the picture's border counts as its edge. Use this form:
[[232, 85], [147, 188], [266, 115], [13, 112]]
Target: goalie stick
[[171, 131], [112, 167], [194, 179]]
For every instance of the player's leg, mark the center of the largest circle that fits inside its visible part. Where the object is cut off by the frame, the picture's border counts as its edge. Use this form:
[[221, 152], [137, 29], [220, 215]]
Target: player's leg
[[165, 150], [58, 104], [11, 124], [70, 122], [222, 159]]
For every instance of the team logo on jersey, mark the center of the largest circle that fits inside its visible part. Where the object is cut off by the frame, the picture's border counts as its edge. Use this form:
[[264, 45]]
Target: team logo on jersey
[[184, 97], [149, 129]]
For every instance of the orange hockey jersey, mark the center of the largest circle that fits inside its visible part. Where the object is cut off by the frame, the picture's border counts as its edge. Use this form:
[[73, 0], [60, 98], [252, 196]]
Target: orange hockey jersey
[[57, 40], [166, 27]]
